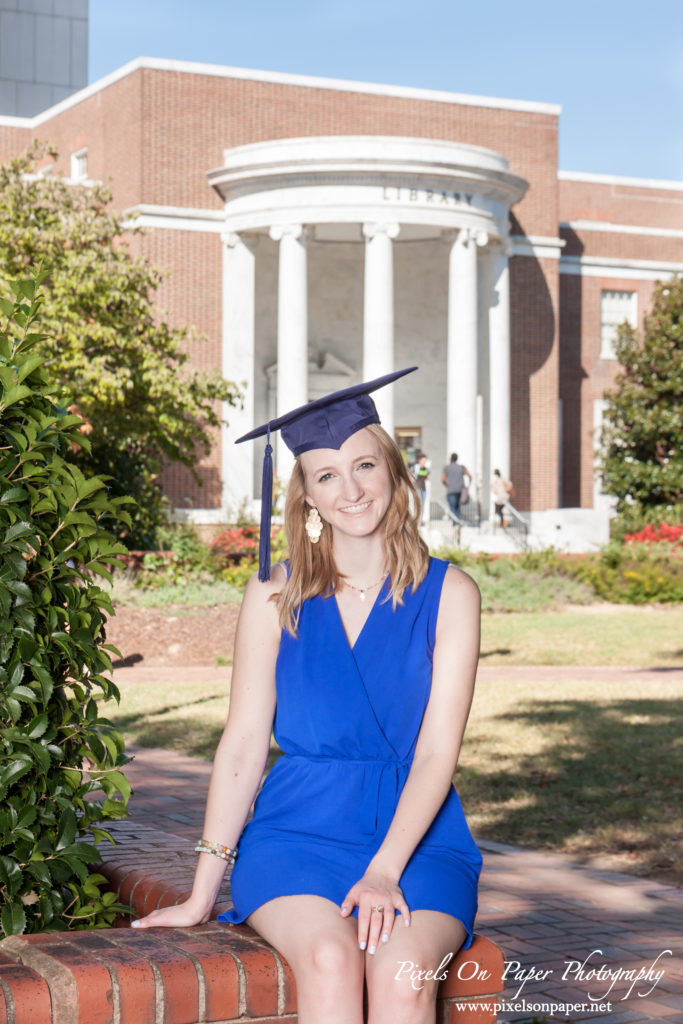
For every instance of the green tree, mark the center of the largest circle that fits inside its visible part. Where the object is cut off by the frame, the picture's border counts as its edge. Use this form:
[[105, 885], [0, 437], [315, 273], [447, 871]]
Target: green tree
[[642, 435], [124, 365], [56, 749]]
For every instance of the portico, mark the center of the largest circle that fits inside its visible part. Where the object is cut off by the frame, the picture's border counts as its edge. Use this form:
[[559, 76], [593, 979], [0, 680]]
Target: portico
[[370, 201]]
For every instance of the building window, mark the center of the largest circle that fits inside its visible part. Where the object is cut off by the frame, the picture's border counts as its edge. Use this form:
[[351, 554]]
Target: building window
[[79, 165], [615, 308]]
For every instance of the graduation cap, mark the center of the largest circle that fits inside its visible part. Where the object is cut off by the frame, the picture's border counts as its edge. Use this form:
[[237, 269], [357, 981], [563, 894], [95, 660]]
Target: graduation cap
[[323, 423]]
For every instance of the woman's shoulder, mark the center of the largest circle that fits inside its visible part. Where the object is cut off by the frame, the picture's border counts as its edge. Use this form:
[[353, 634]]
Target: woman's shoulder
[[459, 588], [455, 582], [258, 593]]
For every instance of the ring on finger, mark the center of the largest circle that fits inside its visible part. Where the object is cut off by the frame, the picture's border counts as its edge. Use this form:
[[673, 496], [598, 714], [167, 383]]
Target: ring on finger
[[379, 908]]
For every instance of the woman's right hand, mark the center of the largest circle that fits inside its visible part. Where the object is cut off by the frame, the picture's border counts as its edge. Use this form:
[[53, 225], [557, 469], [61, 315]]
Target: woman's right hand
[[183, 915]]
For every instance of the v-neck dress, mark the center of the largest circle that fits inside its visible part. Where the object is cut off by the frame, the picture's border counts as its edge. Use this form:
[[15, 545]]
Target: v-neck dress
[[347, 720]]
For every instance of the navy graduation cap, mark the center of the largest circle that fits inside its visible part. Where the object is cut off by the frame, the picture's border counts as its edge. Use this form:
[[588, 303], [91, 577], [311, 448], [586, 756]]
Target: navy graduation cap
[[323, 423]]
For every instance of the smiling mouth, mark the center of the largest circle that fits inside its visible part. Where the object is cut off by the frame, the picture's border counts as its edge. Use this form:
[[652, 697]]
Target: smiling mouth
[[356, 510]]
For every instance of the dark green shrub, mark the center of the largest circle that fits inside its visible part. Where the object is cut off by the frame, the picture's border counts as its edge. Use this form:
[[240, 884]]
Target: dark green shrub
[[56, 751]]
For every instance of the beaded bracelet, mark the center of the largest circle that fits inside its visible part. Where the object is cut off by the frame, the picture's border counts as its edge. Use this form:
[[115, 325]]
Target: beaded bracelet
[[224, 852]]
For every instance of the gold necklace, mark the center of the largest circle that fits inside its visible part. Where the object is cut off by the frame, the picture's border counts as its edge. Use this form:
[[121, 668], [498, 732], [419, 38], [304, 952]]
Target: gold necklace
[[362, 591]]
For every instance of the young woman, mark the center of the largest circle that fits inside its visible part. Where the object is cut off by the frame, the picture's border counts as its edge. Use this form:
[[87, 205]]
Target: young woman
[[358, 865]]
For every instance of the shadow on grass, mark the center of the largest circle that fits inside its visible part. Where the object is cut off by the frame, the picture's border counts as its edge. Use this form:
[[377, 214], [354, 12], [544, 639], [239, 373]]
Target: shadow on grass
[[194, 738], [610, 781]]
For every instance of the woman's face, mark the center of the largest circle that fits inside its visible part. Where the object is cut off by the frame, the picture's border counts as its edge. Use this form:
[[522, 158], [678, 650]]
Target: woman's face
[[350, 487]]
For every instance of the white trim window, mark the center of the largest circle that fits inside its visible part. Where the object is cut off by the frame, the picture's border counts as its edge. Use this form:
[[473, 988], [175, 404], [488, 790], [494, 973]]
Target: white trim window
[[615, 308], [79, 165]]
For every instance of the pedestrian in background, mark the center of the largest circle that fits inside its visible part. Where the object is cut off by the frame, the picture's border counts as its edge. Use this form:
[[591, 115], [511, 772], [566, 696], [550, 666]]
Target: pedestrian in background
[[421, 472], [453, 479], [501, 492]]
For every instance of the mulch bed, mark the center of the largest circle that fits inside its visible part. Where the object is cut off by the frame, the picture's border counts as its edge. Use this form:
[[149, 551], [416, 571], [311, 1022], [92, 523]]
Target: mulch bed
[[174, 635]]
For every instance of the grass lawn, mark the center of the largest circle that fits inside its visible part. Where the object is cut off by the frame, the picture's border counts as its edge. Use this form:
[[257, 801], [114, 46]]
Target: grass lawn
[[598, 634], [187, 718], [589, 768]]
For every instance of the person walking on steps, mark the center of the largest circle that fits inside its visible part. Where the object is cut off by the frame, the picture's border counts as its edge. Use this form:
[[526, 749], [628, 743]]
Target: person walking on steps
[[455, 478], [361, 652], [501, 492], [421, 472]]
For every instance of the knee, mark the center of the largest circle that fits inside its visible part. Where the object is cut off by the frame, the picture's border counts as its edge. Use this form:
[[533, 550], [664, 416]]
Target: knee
[[402, 989], [331, 956]]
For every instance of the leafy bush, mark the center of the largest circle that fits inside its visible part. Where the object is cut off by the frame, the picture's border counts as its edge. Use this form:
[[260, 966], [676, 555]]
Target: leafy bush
[[56, 751], [633, 573], [635, 517], [235, 544], [235, 553], [521, 583], [626, 573], [110, 347], [642, 430]]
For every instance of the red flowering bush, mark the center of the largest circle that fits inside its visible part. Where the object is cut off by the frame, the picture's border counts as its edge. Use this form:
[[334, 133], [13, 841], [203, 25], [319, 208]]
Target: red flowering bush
[[234, 544], [660, 534]]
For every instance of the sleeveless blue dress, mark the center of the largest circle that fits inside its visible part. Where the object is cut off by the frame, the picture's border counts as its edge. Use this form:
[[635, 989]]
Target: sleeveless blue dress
[[347, 721]]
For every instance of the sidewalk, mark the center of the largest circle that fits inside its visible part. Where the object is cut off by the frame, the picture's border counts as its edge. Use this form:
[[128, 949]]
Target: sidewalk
[[568, 932]]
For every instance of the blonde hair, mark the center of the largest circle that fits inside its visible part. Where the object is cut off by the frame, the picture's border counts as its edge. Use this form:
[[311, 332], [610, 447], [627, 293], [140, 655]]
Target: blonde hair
[[312, 569]]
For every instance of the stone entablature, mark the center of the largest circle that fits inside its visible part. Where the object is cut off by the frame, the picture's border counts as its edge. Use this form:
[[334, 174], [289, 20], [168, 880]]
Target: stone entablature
[[420, 183]]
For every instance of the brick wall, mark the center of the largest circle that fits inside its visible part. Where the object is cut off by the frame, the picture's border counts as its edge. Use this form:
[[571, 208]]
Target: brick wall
[[535, 381], [190, 119], [191, 295], [620, 203], [584, 375]]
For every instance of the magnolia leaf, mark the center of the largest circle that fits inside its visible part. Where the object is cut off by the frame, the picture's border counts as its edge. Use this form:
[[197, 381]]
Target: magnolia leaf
[[12, 494], [14, 395], [13, 919], [67, 830], [13, 771]]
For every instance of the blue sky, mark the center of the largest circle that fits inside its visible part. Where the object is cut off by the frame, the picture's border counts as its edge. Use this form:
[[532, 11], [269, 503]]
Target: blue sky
[[616, 68]]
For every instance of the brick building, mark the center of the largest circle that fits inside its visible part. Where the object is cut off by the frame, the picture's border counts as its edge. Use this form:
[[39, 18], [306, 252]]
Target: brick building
[[318, 232]]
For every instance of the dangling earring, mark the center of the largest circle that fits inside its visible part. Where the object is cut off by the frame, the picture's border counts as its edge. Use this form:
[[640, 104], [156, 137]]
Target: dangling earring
[[313, 525]]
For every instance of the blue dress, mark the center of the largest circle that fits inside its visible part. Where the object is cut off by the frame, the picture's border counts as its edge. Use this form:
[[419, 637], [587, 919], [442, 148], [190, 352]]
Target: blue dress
[[347, 721]]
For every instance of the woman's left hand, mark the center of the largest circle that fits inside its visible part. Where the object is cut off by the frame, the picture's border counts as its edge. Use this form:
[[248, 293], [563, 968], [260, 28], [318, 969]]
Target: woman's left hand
[[378, 896]]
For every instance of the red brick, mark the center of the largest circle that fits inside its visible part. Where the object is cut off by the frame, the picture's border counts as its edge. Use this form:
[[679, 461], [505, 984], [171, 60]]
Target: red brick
[[92, 980], [260, 969], [29, 994], [178, 973], [137, 987], [290, 989], [481, 970], [129, 884], [220, 971]]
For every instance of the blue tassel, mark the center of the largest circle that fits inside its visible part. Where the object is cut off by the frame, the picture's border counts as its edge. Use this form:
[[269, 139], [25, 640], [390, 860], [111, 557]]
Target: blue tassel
[[266, 512]]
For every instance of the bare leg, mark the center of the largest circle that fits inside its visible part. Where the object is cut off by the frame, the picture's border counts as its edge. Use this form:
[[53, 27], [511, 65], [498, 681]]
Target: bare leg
[[322, 949], [396, 993]]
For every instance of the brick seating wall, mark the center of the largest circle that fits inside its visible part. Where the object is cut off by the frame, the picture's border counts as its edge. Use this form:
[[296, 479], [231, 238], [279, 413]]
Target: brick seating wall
[[209, 973]]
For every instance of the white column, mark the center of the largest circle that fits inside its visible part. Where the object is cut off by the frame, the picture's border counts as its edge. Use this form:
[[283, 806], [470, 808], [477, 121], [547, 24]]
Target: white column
[[238, 365], [292, 330], [378, 314], [461, 378], [499, 360]]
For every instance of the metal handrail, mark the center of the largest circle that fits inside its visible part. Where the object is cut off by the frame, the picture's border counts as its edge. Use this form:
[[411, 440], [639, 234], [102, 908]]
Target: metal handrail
[[445, 514], [518, 526]]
